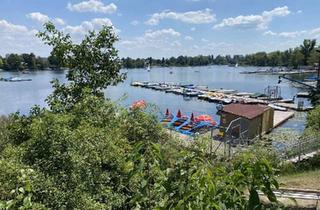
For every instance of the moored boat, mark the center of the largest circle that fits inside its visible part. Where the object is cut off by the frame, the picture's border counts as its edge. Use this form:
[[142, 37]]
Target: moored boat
[[278, 108], [198, 124], [15, 79]]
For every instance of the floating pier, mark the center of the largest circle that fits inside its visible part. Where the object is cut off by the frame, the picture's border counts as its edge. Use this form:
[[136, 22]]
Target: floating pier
[[281, 117], [294, 107], [222, 96]]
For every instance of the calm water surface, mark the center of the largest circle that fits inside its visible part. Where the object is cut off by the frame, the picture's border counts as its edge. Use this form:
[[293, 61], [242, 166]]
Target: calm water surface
[[21, 96]]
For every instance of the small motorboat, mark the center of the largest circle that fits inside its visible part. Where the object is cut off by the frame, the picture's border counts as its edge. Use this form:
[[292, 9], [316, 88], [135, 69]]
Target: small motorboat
[[148, 68], [288, 101], [226, 91], [243, 94], [203, 97], [16, 79], [191, 93], [227, 101], [137, 84], [278, 108], [189, 86], [258, 95]]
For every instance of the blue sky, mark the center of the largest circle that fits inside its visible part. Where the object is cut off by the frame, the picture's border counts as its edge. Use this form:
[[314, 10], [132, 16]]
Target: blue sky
[[164, 28]]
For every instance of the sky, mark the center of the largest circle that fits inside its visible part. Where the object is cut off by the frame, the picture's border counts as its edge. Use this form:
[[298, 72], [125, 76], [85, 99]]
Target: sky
[[165, 28]]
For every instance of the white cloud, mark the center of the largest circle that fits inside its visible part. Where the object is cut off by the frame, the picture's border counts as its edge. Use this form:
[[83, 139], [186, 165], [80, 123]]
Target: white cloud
[[162, 33], [7, 27], [292, 34], [92, 6], [37, 16], [135, 23], [192, 17], [19, 39], [192, 29], [176, 44], [85, 26], [277, 12], [59, 21], [160, 41], [254, 21], [188, 38], [204, 40], [269, 33], [315, 32], [42, 18]]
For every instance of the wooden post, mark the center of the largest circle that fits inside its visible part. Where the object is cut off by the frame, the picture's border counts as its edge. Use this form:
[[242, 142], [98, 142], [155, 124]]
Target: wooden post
[[299, 149]]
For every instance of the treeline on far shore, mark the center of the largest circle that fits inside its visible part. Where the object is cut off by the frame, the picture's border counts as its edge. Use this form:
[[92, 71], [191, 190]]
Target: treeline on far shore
[[15, 62], [305, 55]]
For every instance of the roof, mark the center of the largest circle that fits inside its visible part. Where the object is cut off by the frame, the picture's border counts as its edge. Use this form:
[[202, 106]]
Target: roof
[[249, 111]]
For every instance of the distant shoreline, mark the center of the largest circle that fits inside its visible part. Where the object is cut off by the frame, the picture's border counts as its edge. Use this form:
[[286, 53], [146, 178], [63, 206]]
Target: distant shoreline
[[267, 69]]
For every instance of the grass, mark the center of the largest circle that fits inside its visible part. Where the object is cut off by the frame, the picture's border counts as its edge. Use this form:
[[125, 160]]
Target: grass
[[302, 180]]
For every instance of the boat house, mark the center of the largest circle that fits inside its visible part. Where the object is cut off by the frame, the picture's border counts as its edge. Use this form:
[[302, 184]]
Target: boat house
[[247, 120]]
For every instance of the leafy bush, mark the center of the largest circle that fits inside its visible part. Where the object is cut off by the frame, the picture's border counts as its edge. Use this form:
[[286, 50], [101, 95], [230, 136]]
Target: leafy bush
[[85, 152], [101, 156]]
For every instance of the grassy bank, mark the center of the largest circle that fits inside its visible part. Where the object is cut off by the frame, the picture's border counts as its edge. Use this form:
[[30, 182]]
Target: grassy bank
[[303, 180]]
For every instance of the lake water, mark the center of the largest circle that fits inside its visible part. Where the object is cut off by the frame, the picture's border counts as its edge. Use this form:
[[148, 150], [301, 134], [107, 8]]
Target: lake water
[[20, 96]]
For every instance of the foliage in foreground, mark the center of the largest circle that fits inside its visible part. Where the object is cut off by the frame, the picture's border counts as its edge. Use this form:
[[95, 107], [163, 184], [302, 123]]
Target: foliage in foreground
[[313, 120], [99, 156], [87, 153]]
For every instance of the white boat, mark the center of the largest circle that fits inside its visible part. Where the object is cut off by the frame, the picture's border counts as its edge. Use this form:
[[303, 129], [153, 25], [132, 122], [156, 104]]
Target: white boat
[[287, 101], [225, 91], [16, 79], [148, 67], [279, 108], [137, 84], [243, 94]]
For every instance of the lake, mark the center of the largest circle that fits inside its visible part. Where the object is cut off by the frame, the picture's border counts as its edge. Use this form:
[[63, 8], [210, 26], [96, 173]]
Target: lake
[[20, 96]]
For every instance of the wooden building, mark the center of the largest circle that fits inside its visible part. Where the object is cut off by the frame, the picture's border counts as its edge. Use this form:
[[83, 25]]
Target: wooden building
[[258, 118]]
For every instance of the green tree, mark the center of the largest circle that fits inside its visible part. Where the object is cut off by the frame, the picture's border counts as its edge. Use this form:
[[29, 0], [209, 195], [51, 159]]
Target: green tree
[[93, 63], [54, 62], [30, 60], [1, 63], [13, 62], [306, 49], [296, 58], [313, 120], [314, 57]]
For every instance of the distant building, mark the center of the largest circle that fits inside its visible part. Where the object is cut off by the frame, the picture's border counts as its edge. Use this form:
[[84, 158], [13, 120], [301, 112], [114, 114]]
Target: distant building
[[258, 118]]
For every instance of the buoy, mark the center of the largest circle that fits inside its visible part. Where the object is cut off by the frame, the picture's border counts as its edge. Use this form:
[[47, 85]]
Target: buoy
[[167, 112], [179, 114]]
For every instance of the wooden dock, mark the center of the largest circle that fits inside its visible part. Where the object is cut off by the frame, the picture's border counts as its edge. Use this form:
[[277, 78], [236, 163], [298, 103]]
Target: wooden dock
[[280, 117], [294, 107]]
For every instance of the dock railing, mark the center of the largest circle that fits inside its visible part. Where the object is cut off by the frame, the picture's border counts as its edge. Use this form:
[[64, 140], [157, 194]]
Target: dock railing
[[300, 149]]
